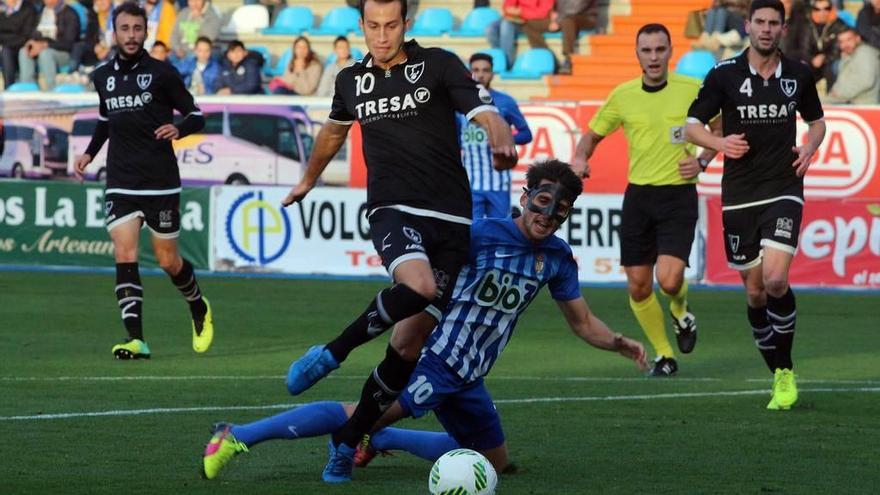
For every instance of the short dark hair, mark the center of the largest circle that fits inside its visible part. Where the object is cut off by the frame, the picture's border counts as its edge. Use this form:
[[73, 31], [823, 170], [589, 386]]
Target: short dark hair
[[235, 44], [482, 56], [402, 6], [767, 4], [556, 171], [130, 8], [204, 39], [162, 44], [653, 28], [340, 38]]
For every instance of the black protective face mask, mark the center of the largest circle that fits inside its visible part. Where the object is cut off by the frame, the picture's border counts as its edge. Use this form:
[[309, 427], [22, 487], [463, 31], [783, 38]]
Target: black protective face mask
[[558, 193]]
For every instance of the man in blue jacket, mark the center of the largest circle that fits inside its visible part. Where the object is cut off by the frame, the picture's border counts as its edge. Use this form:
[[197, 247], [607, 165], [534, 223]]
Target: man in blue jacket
[[490, 188], [201, 72], [241, 75]]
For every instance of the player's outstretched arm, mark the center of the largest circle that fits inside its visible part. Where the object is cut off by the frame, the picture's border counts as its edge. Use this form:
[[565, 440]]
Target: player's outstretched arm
[[732, 145], [330, 139], [500, 139], [580, 164], [596, 333]]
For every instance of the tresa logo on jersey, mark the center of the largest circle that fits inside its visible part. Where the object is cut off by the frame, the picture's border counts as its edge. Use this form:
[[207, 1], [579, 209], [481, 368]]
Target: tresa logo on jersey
[[128, 101], [386, 105], [766, 111], [497, 290]]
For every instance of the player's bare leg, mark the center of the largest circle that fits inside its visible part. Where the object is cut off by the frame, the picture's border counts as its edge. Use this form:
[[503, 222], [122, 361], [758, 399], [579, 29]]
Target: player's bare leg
[[129, 290], [670, 277], [646, 308], [184, 278]]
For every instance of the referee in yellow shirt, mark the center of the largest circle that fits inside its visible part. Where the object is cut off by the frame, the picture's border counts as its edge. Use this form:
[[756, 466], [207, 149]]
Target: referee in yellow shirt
[[660, 203]]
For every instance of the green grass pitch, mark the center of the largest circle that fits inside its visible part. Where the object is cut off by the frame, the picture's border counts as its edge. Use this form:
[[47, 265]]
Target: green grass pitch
[[578, 420]]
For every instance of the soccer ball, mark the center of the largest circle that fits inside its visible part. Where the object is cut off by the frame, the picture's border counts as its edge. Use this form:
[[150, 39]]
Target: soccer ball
[[462, 472]]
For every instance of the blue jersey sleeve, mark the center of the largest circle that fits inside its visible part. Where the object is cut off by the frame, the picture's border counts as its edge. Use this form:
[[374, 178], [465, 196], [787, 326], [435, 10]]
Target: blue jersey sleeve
[[512, 114], [564, 285]]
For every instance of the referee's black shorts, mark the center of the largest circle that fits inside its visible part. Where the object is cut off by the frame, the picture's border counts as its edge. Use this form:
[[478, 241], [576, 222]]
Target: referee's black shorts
[[657, 220]]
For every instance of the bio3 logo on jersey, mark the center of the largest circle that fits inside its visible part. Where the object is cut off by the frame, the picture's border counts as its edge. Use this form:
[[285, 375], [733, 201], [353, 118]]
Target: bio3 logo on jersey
[[257, 230], [498, 290]]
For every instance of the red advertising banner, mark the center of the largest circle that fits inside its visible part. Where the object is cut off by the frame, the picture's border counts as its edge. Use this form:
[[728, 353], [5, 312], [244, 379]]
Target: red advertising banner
[[839, 245]]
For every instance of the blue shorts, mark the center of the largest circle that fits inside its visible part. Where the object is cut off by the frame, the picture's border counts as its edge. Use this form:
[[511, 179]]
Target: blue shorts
[[490, 204], [465, 409]]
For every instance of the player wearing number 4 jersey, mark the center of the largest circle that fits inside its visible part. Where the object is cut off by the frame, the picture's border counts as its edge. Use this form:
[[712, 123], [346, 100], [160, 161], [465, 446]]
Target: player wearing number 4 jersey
[[762, 189], [509, 261]]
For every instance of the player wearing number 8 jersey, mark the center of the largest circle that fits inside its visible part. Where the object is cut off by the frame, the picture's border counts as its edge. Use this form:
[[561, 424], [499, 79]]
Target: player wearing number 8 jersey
[[762, 190], [509, 261]]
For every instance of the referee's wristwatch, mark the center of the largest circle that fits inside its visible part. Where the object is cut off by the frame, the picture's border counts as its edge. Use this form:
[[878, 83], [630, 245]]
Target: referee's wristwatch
[[704, 163]]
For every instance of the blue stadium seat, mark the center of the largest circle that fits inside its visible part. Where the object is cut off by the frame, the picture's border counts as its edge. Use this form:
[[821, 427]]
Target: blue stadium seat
[[70, 88], [282, 63], [355, 54], [847, 18], [340, 21], [476, 22], [434, 21], [22, 87], [292, 20], [696, 63], [532, 64], [499, 59], [83, 15], [267, 57]]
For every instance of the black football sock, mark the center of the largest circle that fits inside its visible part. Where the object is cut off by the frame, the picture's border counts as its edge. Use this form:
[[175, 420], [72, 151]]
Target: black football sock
[[782, 314], [393, 304], [765, 339], [380, 391], [130, 296], [186, 283]]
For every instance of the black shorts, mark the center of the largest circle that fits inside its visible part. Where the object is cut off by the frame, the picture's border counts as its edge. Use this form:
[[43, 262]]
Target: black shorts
[[399, 237], [657, 220], [748, 229], [160, 213]]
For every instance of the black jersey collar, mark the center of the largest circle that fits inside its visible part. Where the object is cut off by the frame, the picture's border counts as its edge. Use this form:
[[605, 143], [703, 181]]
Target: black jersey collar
[[410, 47], [128, 63], [745, 59]]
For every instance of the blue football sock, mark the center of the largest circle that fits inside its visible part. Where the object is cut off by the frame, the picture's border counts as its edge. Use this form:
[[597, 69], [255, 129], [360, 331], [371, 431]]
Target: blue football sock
[[429, 445], [310, 420]]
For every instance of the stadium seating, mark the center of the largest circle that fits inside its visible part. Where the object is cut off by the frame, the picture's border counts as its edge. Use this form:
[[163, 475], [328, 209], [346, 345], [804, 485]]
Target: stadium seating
[[292, 20], [83, 15], [267, 57], [696, 63], [70, 88], [248, 19], [531, 64], [355, 54], [282, 63], [339, 22], [847, 18], [433, 22], [499, 59], [476, 22], [22, 87]]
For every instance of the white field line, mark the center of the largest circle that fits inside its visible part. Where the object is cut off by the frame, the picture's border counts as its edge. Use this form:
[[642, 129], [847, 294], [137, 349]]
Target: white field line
[[362, 377], [532, 400]]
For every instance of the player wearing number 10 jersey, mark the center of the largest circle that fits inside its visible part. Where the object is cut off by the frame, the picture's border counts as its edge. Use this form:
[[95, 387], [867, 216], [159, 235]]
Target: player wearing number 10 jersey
[[758, 93]]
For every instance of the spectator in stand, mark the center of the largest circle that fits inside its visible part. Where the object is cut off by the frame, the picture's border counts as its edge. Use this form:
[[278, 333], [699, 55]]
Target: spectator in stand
[[531, 16], [858, 80], [302, 74], [824, 49], [97, 45], [160, 51], [868, 23], [201, 72], [50, 43], [724, 29], [161, 19], [573, 16], [17, 20], [197, 19], [241, 75], [342, 49], [796, 41]]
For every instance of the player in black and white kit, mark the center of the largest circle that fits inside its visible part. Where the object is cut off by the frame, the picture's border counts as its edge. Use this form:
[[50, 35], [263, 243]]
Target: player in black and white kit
[[138, 95], [418, 197], [762, 190]]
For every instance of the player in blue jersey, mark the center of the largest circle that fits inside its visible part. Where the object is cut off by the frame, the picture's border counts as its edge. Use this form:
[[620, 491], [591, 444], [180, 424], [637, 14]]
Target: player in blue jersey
[[490, 188], [510, 260]]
